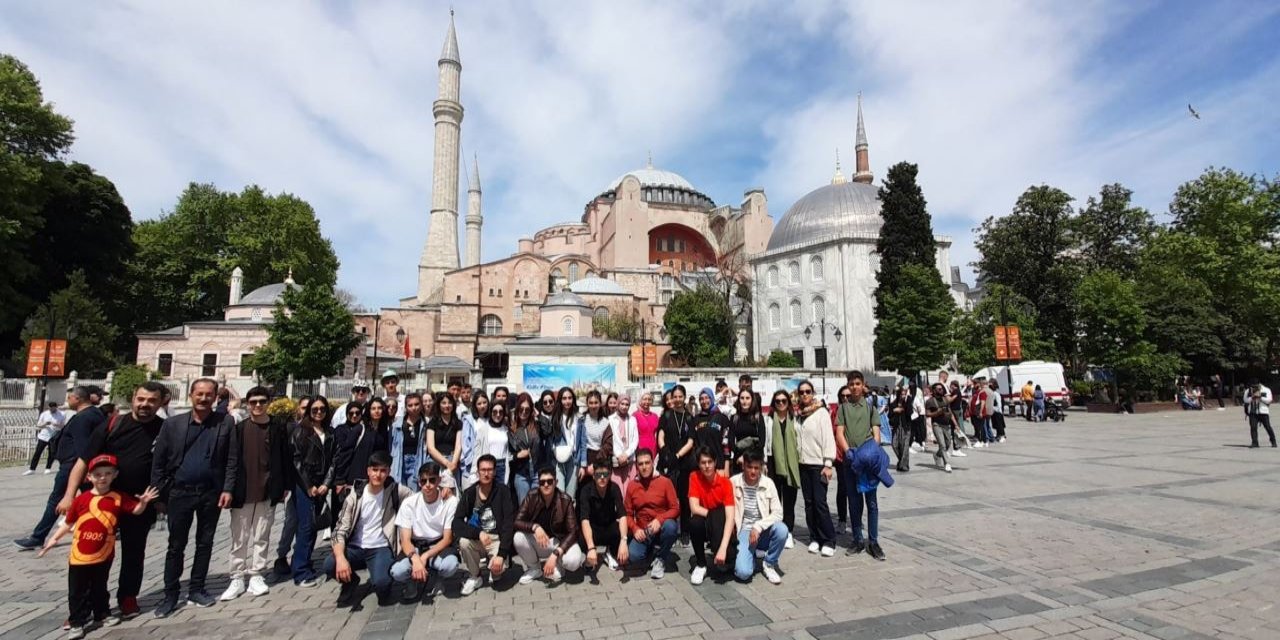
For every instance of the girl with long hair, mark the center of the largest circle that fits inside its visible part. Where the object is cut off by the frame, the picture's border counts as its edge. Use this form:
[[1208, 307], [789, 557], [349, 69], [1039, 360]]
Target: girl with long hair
[[408, 442], [566, 440], [675, 439], [524, 446], [784, 457], [747, 431], [313, 454], [597, 433], [475, 426], [444, 436]]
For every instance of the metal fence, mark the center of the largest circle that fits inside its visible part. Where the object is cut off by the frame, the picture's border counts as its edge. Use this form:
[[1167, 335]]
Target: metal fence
[[17, 436]]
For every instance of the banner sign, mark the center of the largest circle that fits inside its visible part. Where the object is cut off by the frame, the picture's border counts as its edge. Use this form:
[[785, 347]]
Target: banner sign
[[579, 377], [644, 360], [56, 350]]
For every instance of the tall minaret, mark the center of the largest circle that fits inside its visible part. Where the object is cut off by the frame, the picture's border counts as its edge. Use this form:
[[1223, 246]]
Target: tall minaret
[[474, 219], [863, 170], [440, 254]]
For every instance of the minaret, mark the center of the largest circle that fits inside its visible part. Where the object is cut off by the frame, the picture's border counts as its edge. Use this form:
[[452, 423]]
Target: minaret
[[474, 219], [863, 170], [237, 286], [838, 178], [440, 254]]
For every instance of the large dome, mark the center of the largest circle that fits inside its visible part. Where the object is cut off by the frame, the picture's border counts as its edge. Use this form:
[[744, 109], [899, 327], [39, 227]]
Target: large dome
[[851, 209], [650, 177], [663, 187]]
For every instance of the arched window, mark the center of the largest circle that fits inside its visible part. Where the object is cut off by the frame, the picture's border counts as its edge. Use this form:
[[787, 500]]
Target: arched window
[[567, 324], [557, 277], [490, 325], [793, 273], [815, 268], [775, 316], [773, 276], [602, 313], [819, 308], [797, 316], [573, 272]]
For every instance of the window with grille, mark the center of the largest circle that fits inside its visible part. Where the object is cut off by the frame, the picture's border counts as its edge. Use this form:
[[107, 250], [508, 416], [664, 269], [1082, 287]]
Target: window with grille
[[773, 276], [567, 325], [819, 308], [797, 316], [490, 325], [815, 268], [573, 272], [793, 272], [775, 316]]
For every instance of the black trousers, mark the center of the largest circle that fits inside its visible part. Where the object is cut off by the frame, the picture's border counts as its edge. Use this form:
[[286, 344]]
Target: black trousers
[[842, 506], [1263, 419], [133, 551], [186, 505], [997, 423], [87, 596], [606, 537], [919, 431], [817, 514], [789, 494], [41, 446], [682, 493], [708, 530]]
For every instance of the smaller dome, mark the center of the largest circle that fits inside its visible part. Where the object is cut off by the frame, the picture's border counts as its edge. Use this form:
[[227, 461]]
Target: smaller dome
[[265, 296], [598, 286], [565, 299]]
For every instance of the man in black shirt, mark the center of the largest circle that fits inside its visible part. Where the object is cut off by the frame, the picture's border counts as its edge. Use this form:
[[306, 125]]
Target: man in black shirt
[[71, 446], [195, 467], [602, 520], [130, 438]]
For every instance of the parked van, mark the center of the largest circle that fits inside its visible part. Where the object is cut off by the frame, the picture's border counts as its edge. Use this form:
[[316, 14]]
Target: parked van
[[1049, 375]]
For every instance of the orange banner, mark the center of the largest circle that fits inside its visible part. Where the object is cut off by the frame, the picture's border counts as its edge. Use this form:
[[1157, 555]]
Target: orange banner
[[1015, 342], [55, 350], [1002, 343], [644, 360]]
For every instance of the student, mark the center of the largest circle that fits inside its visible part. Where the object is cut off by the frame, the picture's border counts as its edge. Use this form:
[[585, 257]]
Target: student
[[602, 519], [365, 531], [626, 440], [93, 515], [675, 438], [547, 531], [816, 446], [712, 508], [652, 509], [313, 451], [409, 442], [858, 424], [425, 521], [784, 459], [484, 526], [523, 446], [444, 437], [596, 434], [758, 520], [566, 440]]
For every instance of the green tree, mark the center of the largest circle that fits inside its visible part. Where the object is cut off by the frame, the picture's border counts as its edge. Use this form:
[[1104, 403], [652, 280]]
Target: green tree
[[1024, 251], [906, 235], [973, 333], [1109, 232], [912, 332], [74, 309], [622, 325], [1181, 314], [700, 326], [779, 359], [311, 335], [184, 259], [1114, 326], [127, 379]]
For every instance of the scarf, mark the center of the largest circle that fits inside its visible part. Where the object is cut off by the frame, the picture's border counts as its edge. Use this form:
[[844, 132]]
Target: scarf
[[786, 459]]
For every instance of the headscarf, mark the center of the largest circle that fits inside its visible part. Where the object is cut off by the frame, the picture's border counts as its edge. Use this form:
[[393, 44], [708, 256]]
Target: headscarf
[[711, 395]]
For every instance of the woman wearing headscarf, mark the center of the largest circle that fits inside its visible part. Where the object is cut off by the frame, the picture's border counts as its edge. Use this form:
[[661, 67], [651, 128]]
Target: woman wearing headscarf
[[626, 439], [784, 457], [711, 428]]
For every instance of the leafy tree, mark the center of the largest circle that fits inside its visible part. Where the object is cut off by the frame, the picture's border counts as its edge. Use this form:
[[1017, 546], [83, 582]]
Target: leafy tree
[[912, 329], [973, 334], [906, 237], [1114, 325], [622, 325], [1109, 231], [90, 352], [1024, 251], [1182, 317], [127, 379], [700, 326], [184, 259], [311, 335], [779, 359]]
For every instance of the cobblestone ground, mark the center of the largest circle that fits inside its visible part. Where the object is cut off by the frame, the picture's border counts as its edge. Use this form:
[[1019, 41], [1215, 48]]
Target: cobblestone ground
[[1155, 526]]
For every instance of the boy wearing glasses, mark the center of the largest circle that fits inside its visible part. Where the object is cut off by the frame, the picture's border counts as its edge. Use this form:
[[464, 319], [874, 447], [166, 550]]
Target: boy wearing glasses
[[264, 475], [426, 539], [484, 525]]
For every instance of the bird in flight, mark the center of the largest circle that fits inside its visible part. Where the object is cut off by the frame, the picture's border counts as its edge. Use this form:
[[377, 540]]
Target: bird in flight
[[1194, 114]]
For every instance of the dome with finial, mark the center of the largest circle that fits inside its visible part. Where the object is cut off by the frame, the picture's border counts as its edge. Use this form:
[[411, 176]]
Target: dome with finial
[[662, 186]]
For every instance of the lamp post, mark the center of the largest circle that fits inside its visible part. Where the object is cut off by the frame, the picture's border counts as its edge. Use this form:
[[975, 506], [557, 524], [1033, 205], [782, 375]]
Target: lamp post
[[822, 332], [400, 337]]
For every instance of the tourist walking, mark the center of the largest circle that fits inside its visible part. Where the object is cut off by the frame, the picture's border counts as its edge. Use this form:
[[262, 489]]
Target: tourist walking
[[939, 412], [72, 444], [1258, 408], [900, 420], [48, 425]]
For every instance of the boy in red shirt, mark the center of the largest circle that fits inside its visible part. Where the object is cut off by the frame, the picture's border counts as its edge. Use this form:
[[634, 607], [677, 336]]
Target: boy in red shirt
[[92, 517], [711, 502]]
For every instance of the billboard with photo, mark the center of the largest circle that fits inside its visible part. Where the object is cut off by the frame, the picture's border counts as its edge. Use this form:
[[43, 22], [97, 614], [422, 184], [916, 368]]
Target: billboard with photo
[[579, 377]]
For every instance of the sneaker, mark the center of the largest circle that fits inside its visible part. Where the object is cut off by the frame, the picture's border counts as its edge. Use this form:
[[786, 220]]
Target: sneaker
[[309, 583], [791, 541], [75, 633], [611, 561], [828, 551], [856, 548], [771, 573], [27, 544], [698, 575], [814, 548], [658, 569], [471, 584], [66, 624], [527, 577], [110, 621], [875, 551], [947, 468], [555, 575], [282, 567], [1001, 439], [761, 553], [841, 526], [167, 607], [684, 540], [412, 592], [347, 592], [959, 454], [48, 471], [28, 472], [129, 608], [200, 599], [234, 590], [258, 586]]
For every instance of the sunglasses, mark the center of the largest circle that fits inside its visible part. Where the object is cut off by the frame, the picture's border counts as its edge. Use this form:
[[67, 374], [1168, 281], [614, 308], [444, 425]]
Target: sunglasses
[[782, 403], [846, 397], [546, 483], [257, 403], [355, 414], [806, 392], [317, 410], [431, 481], [601, 475]]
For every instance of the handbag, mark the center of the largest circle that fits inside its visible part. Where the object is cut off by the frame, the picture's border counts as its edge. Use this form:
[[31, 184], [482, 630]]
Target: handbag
[[321, 513]]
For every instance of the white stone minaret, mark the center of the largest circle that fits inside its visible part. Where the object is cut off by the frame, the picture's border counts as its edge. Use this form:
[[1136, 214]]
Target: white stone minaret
[[440, 254], [237, 286], [863, 168], [474, 219]]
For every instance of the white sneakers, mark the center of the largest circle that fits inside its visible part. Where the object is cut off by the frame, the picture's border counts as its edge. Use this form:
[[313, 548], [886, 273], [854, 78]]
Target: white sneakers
[[827, 552], [234, 590], [28, 472], [771, 573], [1001, 439], [813, 547], [610, 562], [471, 584], [657, 570], [258, 586], [959, 454], [698, 575], [915, 446], [530, 575], [791, 541], [48, 471], [947, 468]]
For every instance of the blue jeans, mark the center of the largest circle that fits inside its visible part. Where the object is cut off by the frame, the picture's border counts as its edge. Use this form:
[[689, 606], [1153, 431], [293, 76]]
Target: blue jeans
[[50, 516], [662, 543], [377, 561], [857, 499], [774, 539], [443, 566], [567, 476], [523, 485], [306, 536]]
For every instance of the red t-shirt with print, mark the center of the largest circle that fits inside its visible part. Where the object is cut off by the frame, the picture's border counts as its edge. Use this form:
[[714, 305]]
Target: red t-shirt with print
[[94, 518]]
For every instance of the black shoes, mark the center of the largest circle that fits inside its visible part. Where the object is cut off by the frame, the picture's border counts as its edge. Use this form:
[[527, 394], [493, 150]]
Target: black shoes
[[412, 592], [282, 567], [348, 591], [167, 607], [875, 551], [856, 548], [26, 544], [200, 599], [1253, 446]]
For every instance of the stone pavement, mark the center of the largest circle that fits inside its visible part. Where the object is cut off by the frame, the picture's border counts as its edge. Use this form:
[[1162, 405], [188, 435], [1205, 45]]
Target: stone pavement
[[1153, 526]]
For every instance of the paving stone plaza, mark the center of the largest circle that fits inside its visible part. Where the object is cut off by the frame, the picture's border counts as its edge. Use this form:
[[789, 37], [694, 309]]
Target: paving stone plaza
[[1150, 526]]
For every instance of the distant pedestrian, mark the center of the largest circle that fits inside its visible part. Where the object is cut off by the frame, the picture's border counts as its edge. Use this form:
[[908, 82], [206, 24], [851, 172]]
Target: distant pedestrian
[[49, 424], [1258, 408]]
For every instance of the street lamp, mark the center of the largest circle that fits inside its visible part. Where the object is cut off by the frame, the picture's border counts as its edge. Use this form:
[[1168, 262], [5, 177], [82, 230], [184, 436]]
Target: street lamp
[[822, 332], [400, 338]]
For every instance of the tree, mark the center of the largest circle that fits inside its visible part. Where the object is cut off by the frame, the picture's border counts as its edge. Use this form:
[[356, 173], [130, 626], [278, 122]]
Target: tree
[[184, 259], [779, 359], [912, 329], [1114, 324], [312, 333], [1024, 251], [700, 326], [1181, 316], [906, 237], [621, 324], [973, 334], [90, 352], [1109, 233], [127, 379]]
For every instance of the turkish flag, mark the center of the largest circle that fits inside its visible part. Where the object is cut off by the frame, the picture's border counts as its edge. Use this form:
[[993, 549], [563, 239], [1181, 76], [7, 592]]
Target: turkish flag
[[407, 351]]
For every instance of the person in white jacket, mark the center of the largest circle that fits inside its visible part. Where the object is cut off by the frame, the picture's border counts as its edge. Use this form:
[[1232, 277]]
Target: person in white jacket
[[816, 449], [758, 519], [1258, 408], [626, 438]]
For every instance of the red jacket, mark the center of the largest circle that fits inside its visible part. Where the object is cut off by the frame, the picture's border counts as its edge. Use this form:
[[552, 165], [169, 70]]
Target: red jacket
[[650, 499]]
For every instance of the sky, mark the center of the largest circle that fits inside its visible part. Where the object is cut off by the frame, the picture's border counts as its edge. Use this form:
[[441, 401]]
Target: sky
[[331, 101]]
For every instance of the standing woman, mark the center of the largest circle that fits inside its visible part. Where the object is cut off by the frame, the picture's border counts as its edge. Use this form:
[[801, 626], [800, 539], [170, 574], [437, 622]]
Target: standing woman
[[523, 446], [711, 429], [475, 430], [444, 436], [626, 439], [997, 410], [408, 443], [313, 454], [566, 440], [675, 438], [747, 432], [919, 428], [816, 444], [784, 456], [596, 431], [495, 441], [646, 423]]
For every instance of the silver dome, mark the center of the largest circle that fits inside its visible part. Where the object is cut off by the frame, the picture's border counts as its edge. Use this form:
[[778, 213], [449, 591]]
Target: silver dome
[[565, 299], [650, 177], [844, 210], [265, 296]]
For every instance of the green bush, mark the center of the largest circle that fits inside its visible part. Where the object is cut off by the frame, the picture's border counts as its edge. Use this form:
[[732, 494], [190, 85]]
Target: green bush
[[127, 379], [779, 359]]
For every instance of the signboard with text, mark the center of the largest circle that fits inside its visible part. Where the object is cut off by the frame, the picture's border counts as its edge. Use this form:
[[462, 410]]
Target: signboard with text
[[1008, 342], [56, 353], [644, 360]]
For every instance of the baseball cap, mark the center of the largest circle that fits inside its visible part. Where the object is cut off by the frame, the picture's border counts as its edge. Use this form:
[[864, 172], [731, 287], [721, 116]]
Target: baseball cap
[[104, 460]]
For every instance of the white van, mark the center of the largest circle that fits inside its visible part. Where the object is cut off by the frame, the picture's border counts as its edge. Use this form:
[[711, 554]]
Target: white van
[[1049, 375]]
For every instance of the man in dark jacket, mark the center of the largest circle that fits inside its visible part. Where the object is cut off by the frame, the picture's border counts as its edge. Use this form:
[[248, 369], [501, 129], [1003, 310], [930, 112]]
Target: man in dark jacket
[[484, 525], [547, 531], [264, 477], [195, 471], [72, 442]]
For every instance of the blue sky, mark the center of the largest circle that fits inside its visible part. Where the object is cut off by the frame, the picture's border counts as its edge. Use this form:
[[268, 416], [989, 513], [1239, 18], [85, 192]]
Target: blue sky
[[332, 102]]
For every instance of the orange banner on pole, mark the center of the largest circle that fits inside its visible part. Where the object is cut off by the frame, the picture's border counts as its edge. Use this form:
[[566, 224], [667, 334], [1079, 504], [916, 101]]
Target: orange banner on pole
[[644, 360], [1015, 342], [1002, 343], [56, 353]]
